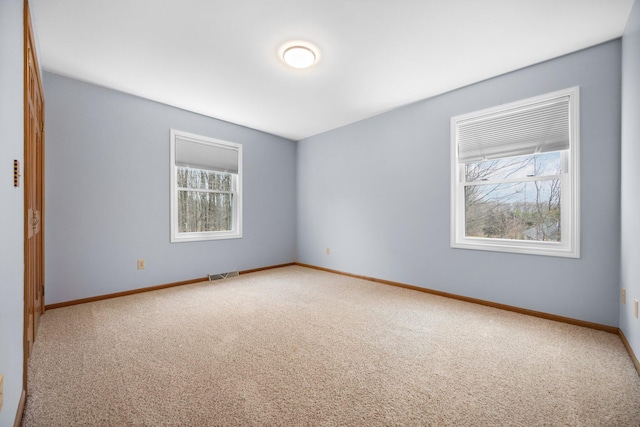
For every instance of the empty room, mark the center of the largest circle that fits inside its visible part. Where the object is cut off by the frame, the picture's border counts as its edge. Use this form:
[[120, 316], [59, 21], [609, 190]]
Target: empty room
[[305, 213]]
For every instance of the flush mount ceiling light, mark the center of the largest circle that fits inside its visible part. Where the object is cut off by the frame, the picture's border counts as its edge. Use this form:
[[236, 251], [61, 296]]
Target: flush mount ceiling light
[[299, 56]]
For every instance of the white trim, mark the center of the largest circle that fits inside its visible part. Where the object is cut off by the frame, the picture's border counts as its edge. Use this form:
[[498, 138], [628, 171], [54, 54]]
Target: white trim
[[570, 245], [236, 231]]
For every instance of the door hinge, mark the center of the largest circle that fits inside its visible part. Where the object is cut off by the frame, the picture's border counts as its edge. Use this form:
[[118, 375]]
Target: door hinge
[[16, 173]]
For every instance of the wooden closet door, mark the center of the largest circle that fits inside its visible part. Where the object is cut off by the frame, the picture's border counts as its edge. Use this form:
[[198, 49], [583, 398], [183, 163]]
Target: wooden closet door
[[33, 192]]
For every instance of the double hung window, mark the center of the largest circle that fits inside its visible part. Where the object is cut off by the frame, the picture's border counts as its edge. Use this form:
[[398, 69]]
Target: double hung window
[[206, 188], [515, 172]]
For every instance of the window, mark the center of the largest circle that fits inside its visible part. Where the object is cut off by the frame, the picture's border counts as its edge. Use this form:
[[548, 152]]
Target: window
[[515, 177], [206, 188]]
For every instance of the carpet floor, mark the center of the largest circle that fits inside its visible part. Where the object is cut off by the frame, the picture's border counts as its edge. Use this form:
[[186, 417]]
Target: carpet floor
[[298, 347]]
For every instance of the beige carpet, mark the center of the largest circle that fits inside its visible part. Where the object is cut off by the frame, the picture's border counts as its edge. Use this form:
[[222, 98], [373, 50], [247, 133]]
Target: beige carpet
[[298, 347]]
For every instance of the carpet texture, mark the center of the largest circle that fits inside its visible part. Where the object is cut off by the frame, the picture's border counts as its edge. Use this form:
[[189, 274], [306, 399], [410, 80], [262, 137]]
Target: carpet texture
[[299, 347]]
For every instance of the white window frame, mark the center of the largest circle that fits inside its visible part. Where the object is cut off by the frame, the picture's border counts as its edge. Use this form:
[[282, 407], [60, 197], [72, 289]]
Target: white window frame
[[236, 231], [570, 200]]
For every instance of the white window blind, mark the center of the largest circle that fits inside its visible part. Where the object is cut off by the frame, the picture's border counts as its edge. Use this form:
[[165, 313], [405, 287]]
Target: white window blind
[[538, 127], [205, 155]]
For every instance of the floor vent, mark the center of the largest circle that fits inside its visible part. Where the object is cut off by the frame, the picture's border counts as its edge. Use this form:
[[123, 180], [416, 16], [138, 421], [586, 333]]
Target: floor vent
[[213, 277]]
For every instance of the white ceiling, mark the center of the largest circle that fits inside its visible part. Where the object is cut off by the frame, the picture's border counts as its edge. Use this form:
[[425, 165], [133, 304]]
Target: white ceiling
[[220, 57]]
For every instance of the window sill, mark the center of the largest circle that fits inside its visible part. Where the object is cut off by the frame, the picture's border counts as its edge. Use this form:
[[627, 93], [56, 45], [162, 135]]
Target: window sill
[[198, 237], [518, 247]]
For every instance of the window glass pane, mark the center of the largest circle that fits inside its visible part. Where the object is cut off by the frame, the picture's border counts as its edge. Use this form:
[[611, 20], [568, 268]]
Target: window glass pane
[[514, 167], [204, 179], [521, 211], [200, 211], [181, 177]]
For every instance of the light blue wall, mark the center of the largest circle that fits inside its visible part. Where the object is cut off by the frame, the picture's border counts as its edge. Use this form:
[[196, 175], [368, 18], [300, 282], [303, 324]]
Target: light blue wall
[[631, 177], [107, 194], [377, 193], [12, 207]]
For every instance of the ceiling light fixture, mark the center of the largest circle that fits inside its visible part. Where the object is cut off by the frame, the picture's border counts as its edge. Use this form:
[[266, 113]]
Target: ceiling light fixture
[[298, 56]]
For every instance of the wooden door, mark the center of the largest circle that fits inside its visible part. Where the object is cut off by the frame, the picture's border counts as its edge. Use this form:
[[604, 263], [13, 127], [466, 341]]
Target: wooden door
[[33, 192]]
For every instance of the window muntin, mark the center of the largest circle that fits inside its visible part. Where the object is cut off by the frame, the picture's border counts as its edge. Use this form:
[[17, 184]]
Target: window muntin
[[522, 197], [205, 188]]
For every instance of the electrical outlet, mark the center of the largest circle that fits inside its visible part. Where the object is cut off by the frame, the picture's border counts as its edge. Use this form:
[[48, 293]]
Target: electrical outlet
[[140, 264], [328, 251], [624, 296], [635, 308]]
